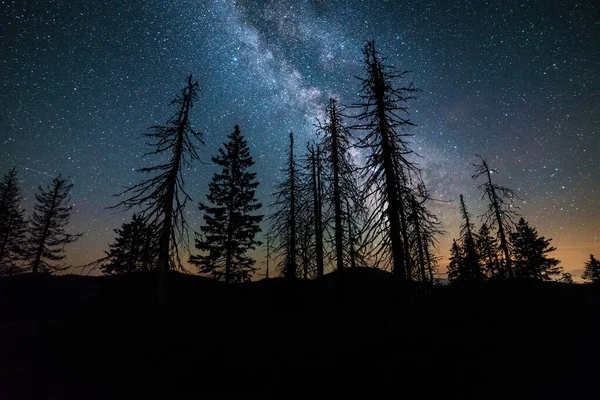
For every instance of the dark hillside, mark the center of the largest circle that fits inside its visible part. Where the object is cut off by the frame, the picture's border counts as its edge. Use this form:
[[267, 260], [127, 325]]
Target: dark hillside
[[101, 337]]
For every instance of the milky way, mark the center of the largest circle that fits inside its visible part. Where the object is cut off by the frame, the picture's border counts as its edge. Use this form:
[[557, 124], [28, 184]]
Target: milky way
[[516, 83]]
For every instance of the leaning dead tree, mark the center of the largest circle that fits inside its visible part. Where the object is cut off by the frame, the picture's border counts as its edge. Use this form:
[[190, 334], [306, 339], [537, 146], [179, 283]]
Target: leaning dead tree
[[500, 212], [384, 118], [162, 197]]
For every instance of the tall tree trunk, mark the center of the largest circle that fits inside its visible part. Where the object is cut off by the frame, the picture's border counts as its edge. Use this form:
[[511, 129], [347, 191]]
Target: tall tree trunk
[[393, 209], [501, 232], [351, 238], [291, 267], [316, 181], [336, 191], [419, 240], [38, 256], [171, 183]]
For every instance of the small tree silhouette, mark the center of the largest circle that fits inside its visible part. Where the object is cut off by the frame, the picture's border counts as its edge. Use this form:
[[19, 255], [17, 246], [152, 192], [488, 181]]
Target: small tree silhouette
[[47, 237], [12, 224], [135, 249], [591, 270]]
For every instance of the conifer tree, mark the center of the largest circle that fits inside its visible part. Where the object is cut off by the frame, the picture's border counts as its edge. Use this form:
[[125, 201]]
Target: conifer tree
[[488, 251], [456, 261], [283, 219], [384, 118], [425, 227], [470, 269], [230, 225], [134, 249], [530, 254], [591, 270], [500, 211], [12, 223], [316, 168], [162, 197], [47, 236]]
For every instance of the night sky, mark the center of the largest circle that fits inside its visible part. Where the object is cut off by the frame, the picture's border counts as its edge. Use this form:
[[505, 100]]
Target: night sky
[[516, 83]]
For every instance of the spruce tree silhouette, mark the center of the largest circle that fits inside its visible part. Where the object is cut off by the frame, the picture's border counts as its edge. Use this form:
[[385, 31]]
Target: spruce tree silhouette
[[529, 252], [488, 251], [162, 198], [591, 270], [456, 262], [470, 269], [46, 237], [230, 227], [12, 223], [135, 249]]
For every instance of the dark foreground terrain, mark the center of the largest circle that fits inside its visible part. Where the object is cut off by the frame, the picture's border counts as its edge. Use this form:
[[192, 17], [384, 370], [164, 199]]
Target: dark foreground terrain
[[102, 337]]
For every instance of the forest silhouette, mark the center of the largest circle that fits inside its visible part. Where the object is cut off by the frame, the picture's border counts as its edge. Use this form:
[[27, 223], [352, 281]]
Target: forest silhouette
[[352, 297]]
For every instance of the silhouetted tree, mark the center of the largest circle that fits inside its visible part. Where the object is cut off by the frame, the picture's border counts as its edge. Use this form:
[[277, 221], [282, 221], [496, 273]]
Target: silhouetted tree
[[283, 219], [134, 249], [488, 251], [46, 236], [162, 198], [230, 227], [470, 269], [566, 278], [424, 227], [316, 168], [336, 146], [529, 252], [591, 270], [456, 260], [384, 117], [500, 211], [12, 223]]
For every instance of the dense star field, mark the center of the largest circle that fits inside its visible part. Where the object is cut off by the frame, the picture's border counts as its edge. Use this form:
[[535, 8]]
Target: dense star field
[[518, 84]]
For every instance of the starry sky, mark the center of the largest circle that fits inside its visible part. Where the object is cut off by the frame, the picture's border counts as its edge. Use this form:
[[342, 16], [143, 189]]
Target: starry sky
[[517, 82]]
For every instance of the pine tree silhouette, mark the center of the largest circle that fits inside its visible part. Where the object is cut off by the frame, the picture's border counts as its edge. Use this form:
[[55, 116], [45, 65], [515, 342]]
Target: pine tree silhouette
[[591, 270], [46, 236], [135, 249], [456, 261], [488, 251], [529, 252], [470, 269], [230, 227], [12, 224]]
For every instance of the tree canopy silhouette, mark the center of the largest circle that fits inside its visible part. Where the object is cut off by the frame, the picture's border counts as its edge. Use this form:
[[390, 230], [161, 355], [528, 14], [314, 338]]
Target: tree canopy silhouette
[[230, 227], [47, 236], [135, 249], [12, 223], [530, 253], [591, 270]]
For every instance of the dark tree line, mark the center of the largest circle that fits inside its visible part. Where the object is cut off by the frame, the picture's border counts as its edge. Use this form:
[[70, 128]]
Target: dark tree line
[[374, 214], [515, 251], [331, 210]]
